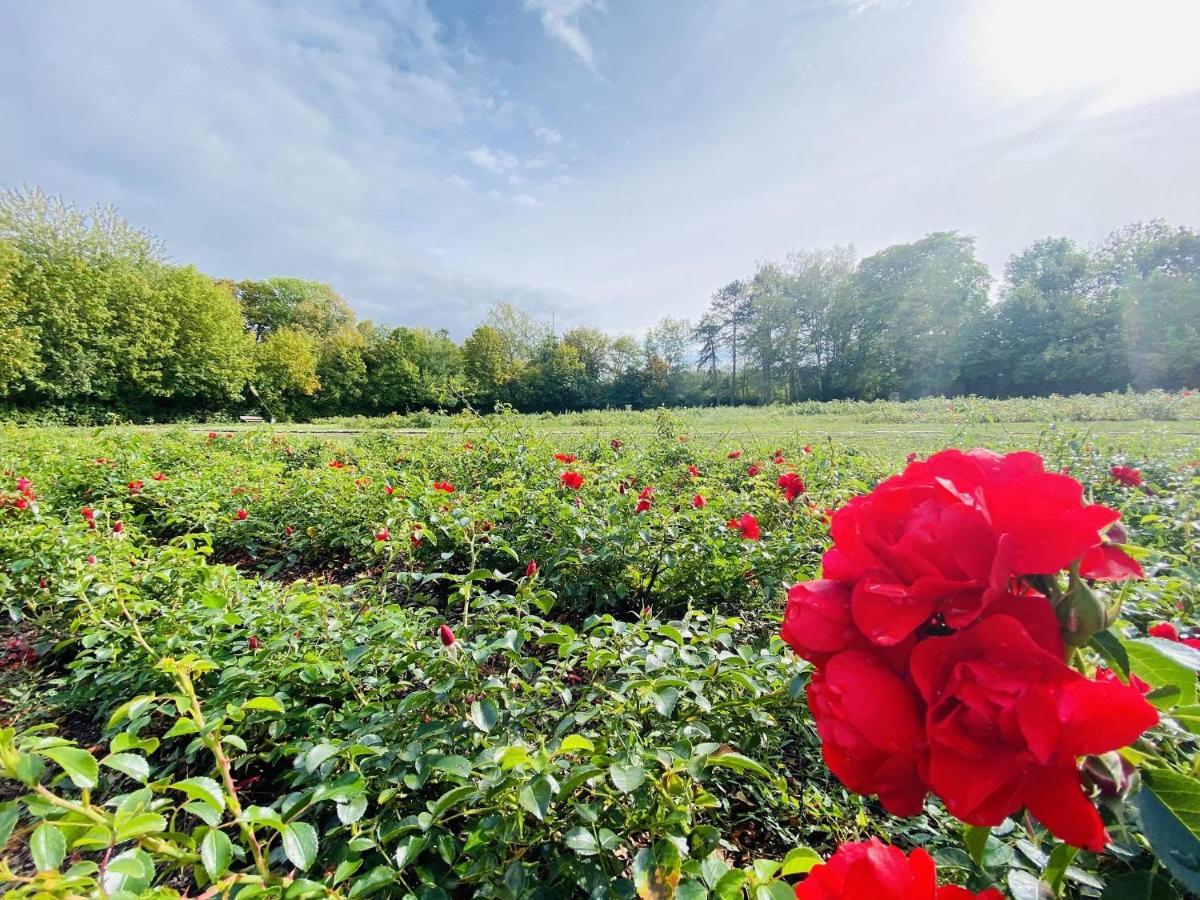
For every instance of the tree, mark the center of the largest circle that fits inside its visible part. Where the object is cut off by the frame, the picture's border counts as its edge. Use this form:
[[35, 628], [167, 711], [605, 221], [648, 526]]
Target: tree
[[393, 375], [554, 380], [285, 367], [278, 302], [18, 345], [341, 371], [487, 365], [211, 358], [523, 335], [910, 317]]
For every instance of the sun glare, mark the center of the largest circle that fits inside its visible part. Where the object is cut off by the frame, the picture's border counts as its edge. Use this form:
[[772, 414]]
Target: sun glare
[[1115, 53]]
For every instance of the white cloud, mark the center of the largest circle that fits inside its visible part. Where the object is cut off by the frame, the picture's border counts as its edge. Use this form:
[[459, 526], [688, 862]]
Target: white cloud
[[559, 22], [493, 160], [526, 200], [549, 135]]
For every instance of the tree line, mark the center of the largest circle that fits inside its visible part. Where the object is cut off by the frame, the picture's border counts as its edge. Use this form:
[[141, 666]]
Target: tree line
[[95, 321]]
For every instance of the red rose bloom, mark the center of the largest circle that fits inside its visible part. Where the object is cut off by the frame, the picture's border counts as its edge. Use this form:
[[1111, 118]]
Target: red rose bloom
[[1006, 721], [135, 487], [873, 870], [817, 623], [747, 525], [807, 448], [467, 445], [693, 471], [572, 480], [871, 731], [699, 502], [734, 454], [792, 484], [389, 490], [753, 469], [241, 514], [118, 527], [159, 476], [383, 534], [1126, 475], [336, 464], [643, 505], [444, 486], [566, 457], [949, 534]]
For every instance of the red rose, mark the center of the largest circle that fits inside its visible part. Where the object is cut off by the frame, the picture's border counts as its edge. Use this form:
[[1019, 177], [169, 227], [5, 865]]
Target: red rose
[[91, 560], [699, 502], [873, 870], [531, 569], [1126, 476], [747, 525], [615, 443], [733, 454], [389, 490], [572, 480], [159, 476], [253, 643], [336, 464], [643, 505], [1168, 632], [467, 445], [240, 514], [792, 485], [807, 448], [383, 535], [566, 457], [135, 487], [446, 635], [693, 471], [753, 469], [444, 486], [1006, 721], [118, 527], [870, 726], [817, 621]]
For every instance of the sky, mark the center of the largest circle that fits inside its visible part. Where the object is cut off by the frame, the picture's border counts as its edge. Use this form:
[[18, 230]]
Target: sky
[[607, 162]]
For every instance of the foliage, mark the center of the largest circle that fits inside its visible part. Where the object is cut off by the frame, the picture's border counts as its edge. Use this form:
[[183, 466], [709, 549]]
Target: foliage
[[621, 719]]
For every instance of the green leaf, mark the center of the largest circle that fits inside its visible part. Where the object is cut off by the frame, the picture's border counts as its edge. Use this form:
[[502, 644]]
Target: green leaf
[[204, 789], [536, 795], [452, 797], [454, 765], [317, 755], [1148, 661], [1056, 866], [1169, 805], [484, 714], [300, 844], [574, 742], [9, 814], [216, 852], [270, 704], [48, 847], [1139, 886], [142, 823], [582, 841], [130, 764], [78, 764], [738, 763], [656, 870], [800, 861], [1109, 646], [975, 837], [352, 810], [130, 708], [664, 701], [626, 779]]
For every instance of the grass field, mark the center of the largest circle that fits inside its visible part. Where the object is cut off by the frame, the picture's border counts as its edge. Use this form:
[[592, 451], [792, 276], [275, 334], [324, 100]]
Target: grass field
[[254, 614]]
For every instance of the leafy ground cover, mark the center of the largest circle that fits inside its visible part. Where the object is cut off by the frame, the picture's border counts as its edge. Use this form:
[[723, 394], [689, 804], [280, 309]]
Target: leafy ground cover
[[274, 664]]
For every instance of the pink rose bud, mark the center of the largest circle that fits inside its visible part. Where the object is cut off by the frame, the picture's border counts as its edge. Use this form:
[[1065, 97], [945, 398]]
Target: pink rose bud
[[531, 569], [446, 635]]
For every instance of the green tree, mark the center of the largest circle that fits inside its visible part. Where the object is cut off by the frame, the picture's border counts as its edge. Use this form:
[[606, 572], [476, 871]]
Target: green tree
[[285, 368], [278, 302]]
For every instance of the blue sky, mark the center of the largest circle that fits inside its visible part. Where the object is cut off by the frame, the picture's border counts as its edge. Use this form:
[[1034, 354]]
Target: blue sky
[[612, 161]]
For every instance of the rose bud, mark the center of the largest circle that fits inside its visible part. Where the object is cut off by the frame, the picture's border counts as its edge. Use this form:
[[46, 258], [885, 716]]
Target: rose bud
[[91, 560], [383, 535], [118, 527], [446, 635], [531, 569], [253, 643], [1111, 775], [1117, 534]]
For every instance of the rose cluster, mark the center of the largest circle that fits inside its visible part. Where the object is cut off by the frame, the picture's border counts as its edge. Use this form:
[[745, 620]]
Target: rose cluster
[[939, 632]]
